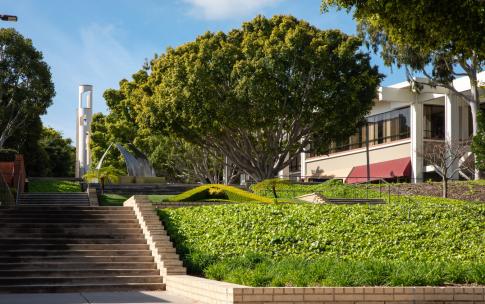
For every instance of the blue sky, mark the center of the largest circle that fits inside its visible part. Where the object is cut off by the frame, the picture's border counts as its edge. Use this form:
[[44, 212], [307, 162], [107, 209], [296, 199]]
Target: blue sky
[[101, 42]]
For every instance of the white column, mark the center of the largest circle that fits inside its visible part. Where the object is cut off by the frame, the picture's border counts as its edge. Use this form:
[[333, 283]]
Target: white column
[[303, 166], [81, 152], [83, 128], [452, 126], [225, 171], [464, 120], [417, 117]]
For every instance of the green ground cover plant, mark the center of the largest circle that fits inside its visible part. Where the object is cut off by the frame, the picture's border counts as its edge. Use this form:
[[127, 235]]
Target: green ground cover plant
[[424, 241], [220, 192], [54, 186]]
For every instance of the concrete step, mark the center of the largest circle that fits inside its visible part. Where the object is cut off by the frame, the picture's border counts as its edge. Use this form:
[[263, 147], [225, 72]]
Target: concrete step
[[86, 287], [54, 204], [71, 233], [52, 265], [6, 281], [21, 220], [62, 241], [68, 246], [59, 248], [177, 270], [53, 193], [71, 208], [146, 258], [74, 273], [168, 255], [80, 216], [72, 253], [171, 263], [72, 227]]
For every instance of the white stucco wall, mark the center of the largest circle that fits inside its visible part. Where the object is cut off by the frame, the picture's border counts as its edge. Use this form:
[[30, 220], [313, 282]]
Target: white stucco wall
[[340, 164]]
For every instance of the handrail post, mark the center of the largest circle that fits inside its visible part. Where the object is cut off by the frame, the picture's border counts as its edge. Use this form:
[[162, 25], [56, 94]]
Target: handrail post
[[389, 193], [367, 190]]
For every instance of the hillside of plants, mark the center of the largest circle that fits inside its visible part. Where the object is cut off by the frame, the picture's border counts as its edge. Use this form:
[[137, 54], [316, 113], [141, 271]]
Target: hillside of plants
[[423, 241]]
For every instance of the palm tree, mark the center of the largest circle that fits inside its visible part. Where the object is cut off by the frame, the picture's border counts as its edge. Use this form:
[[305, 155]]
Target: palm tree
[[109, 173]]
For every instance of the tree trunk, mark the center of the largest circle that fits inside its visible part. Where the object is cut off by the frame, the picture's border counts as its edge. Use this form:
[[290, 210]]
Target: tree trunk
[[4, 136], [274, 191], [445, 187], [474, 111], [101, 181]]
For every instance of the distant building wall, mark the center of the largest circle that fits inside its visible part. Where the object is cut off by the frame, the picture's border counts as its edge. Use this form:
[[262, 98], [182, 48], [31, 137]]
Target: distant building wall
[[340, 164]]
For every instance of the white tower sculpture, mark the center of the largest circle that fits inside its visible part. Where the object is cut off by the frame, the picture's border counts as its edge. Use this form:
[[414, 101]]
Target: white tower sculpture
[[83, 129]]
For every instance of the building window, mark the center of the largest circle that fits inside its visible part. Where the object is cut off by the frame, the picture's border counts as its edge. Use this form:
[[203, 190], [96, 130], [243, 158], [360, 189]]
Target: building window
[[295, 164], [434, 122], [383, 128]]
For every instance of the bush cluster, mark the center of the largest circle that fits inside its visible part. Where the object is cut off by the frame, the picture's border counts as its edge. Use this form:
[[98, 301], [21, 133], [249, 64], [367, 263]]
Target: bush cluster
[[7, 155], [425, 241], [217, 191]]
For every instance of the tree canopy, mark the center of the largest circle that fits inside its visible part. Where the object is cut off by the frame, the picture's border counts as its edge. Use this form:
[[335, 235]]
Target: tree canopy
[[60, 152], [26, 88], [263, 93], [172, 157], [441, 39]]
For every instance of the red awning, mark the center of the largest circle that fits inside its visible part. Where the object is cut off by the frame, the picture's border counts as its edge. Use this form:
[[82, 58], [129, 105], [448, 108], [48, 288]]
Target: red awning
[[388, 169]]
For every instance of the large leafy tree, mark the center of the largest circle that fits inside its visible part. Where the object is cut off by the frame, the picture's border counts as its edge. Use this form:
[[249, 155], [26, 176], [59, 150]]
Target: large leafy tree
[[26, 141], [60, 152], [172, 157], [441, 39], [262, 93], [46, 152], [26, 89]]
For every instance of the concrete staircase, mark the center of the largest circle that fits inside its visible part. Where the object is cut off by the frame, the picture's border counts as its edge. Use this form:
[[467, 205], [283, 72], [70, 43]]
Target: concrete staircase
[[54, 198], [54, 248]]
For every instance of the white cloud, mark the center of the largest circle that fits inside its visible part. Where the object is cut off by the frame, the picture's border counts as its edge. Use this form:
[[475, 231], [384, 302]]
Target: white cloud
[[226, 9]]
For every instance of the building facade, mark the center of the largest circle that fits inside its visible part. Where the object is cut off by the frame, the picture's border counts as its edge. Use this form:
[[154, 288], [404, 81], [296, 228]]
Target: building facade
[[402, 125]]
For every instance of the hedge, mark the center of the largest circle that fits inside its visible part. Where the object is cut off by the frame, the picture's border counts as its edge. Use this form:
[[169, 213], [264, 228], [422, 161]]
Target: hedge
[[217, 191]]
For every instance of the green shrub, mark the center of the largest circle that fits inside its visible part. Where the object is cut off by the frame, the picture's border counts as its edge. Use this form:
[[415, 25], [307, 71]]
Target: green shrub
[[427, 241], [298, 271], [8, 155], [216, 191]]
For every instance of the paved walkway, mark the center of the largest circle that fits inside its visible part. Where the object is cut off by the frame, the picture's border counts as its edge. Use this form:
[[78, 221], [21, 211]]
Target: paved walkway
[[136, 297]]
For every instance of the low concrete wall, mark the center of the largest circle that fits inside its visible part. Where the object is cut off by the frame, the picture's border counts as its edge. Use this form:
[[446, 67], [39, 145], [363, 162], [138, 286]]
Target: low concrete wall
[[93, 197], [202, 290], [209, 291], [355, 295]]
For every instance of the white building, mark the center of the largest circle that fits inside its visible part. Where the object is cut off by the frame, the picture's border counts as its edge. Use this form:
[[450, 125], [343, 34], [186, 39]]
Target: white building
[[402, 124]]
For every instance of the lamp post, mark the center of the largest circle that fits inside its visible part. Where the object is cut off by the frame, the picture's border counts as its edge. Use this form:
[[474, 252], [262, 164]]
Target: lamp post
[[8, 18]]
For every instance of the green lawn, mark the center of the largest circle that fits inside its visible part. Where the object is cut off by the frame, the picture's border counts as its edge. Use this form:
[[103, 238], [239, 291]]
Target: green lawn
[[53, 186], [423, 241], [111, 199]]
